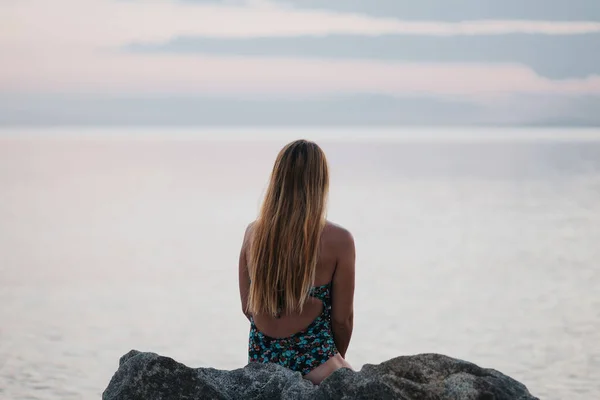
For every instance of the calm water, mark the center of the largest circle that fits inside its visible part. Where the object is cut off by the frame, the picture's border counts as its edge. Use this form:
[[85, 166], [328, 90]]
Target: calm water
[[484, 247]]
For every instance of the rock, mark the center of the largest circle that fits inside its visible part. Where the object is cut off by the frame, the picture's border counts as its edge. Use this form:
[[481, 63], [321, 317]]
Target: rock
[[148, 376]]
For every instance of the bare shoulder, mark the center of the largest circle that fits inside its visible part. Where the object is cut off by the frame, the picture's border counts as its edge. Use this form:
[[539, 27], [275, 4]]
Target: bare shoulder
[[338, 236], [250, 226], [248, 232]]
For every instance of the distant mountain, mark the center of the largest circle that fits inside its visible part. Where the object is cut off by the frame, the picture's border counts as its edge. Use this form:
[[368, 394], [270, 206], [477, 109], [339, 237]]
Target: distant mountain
[[340, 110]]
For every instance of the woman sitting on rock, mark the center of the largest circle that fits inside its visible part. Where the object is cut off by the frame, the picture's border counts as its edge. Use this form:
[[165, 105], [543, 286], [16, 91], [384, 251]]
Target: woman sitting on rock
[[296, 270]]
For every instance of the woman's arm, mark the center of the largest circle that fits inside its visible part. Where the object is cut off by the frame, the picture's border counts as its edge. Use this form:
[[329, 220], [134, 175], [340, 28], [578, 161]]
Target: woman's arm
[[342, 313], [244, 277]]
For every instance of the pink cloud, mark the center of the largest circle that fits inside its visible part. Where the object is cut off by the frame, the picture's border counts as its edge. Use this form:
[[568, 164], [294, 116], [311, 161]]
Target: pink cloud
[[144, 73], [73, 46]]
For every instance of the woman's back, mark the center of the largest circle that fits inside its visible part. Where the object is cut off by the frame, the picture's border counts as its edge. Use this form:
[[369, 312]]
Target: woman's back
[[313, 341], [334, 247]]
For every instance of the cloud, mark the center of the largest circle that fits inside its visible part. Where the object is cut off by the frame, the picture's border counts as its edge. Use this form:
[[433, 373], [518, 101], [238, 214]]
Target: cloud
[[462, 10], [76, 46], [147, 73], [40, 24], [553, 57]]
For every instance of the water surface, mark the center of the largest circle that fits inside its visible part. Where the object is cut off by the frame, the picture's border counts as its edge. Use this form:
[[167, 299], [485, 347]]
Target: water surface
[[484, 247]]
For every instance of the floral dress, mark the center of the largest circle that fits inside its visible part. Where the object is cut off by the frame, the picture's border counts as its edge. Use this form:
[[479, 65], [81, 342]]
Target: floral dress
[[302, 351]]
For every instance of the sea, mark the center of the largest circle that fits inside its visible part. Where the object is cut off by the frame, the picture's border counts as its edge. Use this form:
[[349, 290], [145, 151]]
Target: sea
[[482, 244]]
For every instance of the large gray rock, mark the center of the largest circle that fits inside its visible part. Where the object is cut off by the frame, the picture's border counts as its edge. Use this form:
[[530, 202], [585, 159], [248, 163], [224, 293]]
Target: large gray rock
[[148, 376]]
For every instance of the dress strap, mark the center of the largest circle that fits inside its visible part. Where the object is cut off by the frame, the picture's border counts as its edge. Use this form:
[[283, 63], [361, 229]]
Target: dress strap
[[321, 292]]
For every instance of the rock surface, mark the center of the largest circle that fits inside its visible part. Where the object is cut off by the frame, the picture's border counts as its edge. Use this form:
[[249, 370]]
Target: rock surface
[[148, 376]]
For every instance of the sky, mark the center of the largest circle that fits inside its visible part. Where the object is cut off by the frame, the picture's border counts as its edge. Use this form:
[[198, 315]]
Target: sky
[[299, 62]]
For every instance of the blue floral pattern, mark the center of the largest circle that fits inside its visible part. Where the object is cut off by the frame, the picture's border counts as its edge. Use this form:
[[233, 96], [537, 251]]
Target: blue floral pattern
[[304, 350]]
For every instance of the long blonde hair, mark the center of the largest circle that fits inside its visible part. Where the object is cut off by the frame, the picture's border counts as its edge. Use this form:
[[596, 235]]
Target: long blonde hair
[[286, 236]]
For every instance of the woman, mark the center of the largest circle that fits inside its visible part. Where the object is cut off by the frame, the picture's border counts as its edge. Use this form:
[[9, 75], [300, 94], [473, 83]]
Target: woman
[[296, 270]]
